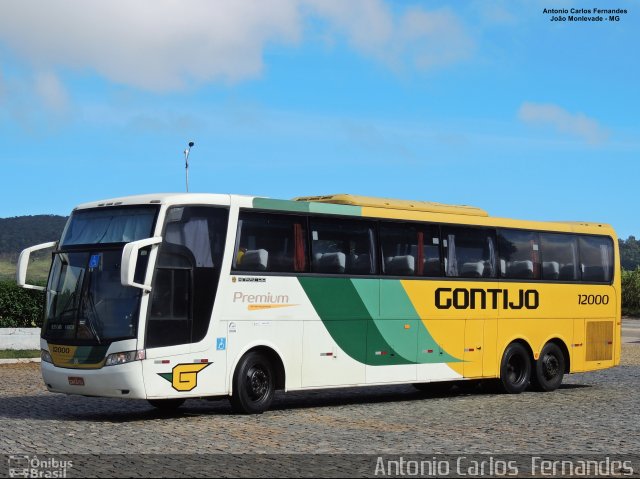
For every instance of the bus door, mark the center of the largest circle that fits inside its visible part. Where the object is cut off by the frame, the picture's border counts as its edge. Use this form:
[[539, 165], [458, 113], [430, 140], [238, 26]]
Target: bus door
[[184, 286]]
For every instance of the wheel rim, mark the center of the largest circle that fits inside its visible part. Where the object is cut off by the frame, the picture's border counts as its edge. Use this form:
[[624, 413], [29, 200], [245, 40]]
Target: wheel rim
[[516, 369], [550, 366], [257, 383]]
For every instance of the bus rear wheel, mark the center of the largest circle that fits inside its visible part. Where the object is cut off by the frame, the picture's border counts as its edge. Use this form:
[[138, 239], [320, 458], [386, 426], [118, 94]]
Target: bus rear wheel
[[515, 369], [253, 384], [549, 368]]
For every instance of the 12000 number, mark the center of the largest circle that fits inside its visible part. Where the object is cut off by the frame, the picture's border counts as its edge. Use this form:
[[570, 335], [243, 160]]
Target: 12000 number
[[590, 299]]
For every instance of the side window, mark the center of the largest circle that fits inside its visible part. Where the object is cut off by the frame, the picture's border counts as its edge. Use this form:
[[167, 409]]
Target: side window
[[469, 252], [559, 257], [519, 254], [596, 258], [340, 246], [410, 249], [186, 275], [271, 242]]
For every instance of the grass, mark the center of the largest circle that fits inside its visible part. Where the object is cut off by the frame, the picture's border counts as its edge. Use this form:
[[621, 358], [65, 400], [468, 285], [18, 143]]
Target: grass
[[19, 353], [38, 270]]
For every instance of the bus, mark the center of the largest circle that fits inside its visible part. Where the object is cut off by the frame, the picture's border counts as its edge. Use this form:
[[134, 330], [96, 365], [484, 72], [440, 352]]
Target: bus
[[173, 296]]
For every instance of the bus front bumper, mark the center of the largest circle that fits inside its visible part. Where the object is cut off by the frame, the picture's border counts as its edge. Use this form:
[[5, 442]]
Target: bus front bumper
[[119, 381]]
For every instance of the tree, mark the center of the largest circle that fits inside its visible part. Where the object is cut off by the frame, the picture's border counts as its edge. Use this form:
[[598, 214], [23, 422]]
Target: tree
[[630, 253]]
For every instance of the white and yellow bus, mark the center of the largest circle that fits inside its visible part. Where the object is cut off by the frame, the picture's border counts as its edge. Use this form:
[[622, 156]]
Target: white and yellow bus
[[174, 296]]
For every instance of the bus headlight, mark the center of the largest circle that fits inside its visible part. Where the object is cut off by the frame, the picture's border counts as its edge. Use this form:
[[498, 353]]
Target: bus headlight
[[125, 357], [45, 356]]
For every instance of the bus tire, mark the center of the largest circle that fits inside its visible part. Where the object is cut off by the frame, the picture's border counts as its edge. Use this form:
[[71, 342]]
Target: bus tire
[[515, 369], [253, 384], [166, 404], [549, 368]]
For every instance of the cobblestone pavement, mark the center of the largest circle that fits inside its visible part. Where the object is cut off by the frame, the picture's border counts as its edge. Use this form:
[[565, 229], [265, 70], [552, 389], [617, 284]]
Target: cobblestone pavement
[[596, 412]]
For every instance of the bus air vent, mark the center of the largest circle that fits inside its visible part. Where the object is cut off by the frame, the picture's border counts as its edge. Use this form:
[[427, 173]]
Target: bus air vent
[[599, 340]]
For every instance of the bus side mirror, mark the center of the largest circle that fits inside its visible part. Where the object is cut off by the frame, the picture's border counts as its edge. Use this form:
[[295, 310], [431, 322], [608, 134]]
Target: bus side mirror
[[130, 261], [23, 265]]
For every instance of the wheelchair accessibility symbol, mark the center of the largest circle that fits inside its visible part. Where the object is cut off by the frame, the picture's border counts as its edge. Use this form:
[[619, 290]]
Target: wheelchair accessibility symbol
[[221, 344]]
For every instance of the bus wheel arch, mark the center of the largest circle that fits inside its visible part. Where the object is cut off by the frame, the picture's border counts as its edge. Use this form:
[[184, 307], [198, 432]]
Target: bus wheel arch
[[567, 356], [277, 363], [257, 375], [516, 367]]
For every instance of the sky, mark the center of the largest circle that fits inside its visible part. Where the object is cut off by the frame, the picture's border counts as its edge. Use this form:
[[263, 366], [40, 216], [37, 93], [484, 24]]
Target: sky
[[487, 103]]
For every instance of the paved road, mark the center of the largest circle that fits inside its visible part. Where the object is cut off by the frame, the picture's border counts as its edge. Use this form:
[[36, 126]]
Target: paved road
[[592, 413]]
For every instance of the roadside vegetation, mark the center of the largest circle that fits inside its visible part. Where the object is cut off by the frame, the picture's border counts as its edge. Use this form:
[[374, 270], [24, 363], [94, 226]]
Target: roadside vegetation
[[631, 293], [19, 353], [20, 308]]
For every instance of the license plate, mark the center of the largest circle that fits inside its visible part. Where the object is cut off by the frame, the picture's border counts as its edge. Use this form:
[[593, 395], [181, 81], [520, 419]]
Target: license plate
[[74, 381]]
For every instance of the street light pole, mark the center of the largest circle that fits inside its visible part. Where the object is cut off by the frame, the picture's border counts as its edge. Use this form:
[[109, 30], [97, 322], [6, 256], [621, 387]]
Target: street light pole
[[186, 163]]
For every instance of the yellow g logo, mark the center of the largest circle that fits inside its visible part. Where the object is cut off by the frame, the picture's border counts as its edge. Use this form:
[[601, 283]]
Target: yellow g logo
[[184, 377]]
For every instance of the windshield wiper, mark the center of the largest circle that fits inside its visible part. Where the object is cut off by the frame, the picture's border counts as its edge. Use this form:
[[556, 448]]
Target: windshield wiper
[[87, 298]]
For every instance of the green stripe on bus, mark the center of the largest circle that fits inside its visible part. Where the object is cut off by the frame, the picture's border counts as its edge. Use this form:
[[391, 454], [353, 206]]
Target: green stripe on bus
[[350, 310], [306, 207], [403, 328], [346, 311]]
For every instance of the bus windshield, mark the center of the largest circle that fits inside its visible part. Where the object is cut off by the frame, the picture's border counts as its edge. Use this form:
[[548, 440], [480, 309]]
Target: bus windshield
[[86, 301]]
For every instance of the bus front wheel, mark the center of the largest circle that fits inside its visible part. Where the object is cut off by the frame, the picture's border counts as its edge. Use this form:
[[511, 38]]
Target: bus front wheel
[[549, 368], [515, 369], [253, 384]]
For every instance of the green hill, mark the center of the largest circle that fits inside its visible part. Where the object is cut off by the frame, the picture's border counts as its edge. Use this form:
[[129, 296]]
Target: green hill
[[21, 232]]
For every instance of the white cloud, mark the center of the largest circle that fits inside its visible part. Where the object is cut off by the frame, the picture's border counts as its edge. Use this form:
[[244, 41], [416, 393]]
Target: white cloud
[[51, 91], [36, 102], [436, 38], [169, 44], [154, 44], [576, 124], [418, 38]]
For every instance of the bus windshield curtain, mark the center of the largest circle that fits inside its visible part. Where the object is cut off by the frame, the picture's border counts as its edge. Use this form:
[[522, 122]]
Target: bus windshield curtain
[[452, 262], [91, 229], [299, 257], [195, 236]]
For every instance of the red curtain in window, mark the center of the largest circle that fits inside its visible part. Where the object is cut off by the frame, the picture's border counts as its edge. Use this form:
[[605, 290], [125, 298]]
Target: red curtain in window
[[300, 257]]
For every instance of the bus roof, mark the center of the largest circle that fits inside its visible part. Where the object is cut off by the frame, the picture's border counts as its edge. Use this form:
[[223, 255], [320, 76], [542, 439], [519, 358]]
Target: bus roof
[[388, 203], [355, 205]]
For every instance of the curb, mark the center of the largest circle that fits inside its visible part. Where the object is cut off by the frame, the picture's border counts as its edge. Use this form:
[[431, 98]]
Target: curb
[[19, 361]]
